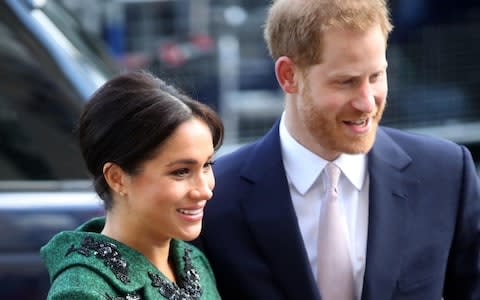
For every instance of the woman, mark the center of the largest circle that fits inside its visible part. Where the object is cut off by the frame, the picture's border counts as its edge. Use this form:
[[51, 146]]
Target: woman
[[149, 149]]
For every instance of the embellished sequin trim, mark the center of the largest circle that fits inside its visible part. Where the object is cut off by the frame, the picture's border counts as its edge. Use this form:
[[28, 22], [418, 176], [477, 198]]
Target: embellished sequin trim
[[188, 287], [133, 296], [108, 253]]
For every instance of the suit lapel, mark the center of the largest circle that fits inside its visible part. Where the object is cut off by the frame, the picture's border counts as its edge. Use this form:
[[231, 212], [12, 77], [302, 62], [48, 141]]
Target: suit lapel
[[389, 213], [272, 220]]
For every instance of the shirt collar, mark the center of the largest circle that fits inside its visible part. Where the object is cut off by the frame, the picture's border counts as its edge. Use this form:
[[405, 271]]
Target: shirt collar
[[303, 166]]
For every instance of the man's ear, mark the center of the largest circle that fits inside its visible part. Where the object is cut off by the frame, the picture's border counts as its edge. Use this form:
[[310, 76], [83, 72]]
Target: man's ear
[[285, 71], [115, 178]]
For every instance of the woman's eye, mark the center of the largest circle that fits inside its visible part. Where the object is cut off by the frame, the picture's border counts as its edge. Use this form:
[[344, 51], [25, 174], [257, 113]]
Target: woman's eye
[[181, 172], [208, 164]]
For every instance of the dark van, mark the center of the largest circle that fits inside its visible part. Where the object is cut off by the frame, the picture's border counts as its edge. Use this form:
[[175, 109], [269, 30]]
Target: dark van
[[49, 66]]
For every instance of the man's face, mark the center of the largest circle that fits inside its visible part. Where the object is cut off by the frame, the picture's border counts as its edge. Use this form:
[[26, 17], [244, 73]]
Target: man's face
[[341, 100]]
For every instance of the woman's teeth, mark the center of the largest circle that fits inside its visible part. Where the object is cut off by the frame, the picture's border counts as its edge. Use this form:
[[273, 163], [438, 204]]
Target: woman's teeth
[[190, 212]]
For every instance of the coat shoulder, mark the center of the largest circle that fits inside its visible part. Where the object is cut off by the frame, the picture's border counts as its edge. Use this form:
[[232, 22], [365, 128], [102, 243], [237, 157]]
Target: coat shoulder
[[80, 282]]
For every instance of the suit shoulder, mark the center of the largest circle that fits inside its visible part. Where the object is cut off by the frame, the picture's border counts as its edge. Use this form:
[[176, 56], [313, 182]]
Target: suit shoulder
[[420, 142], [234, 159]]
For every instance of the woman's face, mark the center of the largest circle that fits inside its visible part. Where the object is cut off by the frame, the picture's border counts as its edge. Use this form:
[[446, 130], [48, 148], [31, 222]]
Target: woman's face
[[166, 198]]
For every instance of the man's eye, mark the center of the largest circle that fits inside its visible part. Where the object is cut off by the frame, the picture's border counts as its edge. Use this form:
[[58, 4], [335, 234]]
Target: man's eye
[[347, 81], [376, 77]]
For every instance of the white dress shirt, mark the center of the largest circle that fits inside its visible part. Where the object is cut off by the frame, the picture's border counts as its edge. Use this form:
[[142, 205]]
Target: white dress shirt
[[303, 169]]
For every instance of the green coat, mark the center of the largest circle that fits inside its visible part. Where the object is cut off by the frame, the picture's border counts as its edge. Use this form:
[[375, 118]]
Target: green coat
[[84, 264]]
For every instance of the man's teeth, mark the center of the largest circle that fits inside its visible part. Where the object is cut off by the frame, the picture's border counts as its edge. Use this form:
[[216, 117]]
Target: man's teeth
[[359, 123], [190, 211]]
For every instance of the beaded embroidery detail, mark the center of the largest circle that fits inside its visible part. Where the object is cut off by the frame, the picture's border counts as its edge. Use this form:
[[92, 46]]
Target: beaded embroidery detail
[[133, 296], [108, 253], [188, 288]]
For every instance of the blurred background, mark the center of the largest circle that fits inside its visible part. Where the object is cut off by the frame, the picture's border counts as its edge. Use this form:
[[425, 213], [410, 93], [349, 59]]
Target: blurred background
[[213, 50], [55, 53]]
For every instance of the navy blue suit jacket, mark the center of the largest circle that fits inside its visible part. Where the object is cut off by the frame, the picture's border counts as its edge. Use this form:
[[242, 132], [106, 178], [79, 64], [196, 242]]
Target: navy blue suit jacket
[[423, 231]]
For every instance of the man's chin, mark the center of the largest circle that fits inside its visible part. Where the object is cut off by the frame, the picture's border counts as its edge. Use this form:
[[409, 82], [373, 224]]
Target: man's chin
[[358, 146]]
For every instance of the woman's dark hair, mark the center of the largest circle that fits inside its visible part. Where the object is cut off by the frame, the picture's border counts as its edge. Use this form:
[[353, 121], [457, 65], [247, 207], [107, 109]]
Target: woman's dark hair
[[129, 117]]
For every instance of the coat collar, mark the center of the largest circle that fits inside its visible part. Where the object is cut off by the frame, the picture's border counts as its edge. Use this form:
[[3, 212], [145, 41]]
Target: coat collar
[[124, 268]]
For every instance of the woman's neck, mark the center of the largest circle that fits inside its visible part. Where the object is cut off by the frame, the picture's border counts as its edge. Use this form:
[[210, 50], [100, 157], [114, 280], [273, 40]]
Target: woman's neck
[[156, 252]]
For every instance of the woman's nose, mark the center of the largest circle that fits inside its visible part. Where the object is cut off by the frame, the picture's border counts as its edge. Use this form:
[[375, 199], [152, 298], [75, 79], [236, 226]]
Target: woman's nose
[[203, 187]]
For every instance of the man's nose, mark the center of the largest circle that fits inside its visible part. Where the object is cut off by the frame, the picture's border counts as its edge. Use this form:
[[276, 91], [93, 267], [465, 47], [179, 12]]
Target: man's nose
[[364, 99]]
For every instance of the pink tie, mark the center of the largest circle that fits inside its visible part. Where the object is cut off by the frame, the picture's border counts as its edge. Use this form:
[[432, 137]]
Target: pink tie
[[335, 275]]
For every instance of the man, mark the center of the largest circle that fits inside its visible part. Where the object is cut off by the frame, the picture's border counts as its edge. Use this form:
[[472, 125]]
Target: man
[[409, 205]]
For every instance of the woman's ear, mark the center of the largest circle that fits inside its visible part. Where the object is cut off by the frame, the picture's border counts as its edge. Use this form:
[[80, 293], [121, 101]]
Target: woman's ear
[[285, 71], [115, 178]]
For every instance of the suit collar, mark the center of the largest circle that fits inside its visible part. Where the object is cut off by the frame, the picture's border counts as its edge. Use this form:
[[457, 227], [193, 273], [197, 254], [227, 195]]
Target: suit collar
[[271, 218], [389, 216], [303, 167]]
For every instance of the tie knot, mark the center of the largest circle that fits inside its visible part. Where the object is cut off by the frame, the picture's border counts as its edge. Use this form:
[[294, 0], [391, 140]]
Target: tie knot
[[332, 174]]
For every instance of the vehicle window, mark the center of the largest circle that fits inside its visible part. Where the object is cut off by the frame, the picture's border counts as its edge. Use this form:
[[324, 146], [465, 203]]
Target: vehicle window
[[38, 110]]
